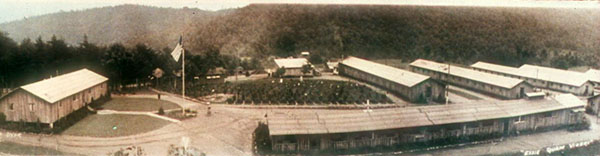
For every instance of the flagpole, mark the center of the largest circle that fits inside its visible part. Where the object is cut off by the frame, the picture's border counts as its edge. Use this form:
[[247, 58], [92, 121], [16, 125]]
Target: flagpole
[[183, 80]]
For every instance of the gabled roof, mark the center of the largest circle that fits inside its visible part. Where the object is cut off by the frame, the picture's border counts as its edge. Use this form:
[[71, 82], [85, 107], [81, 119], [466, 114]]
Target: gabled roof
[[593, 75], [344, 121], [495, 67], [399, 76], [537, 72], [487, 78], [572, 78], [291, 62], [57, 88]]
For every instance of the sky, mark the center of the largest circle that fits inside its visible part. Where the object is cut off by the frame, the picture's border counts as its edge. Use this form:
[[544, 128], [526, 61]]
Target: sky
[[11, 10]]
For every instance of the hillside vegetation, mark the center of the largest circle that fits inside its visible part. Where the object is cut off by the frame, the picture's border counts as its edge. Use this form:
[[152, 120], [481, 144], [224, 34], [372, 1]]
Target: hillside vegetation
[[548, 36], [127, 24]]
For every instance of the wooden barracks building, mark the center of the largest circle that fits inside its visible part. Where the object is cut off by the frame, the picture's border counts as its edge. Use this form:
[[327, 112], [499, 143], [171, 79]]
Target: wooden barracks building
[[543, 77], [500, 86], [409, 85], [52, 99], [293, 66], [335, 130]]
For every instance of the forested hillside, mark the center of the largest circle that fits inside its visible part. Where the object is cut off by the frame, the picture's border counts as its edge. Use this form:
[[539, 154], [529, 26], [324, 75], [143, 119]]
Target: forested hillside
[[127, 24], [458, 34], [558, 37]]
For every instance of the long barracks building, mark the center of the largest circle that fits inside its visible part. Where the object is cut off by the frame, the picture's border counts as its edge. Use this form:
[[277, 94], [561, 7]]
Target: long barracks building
[[411, 86], [499, 86], [52, 99], [543, 77], [335, 130]]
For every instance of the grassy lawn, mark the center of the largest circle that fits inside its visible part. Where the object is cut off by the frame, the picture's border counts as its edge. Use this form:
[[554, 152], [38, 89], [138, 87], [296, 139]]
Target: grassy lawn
[[18, 149], [102, 125], [138, 104]]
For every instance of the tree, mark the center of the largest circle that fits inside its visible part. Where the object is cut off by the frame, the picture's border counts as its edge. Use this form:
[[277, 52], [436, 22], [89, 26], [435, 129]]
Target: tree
[[306, 68], [315, 59], [280, 72], [119, 65]]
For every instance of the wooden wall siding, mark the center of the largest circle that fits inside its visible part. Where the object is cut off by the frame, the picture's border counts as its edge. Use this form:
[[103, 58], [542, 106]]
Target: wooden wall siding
[[46, 112], [540, 120], [21, 100], [410, 93], [512, 93], [342, 141], [577, 90], [594, 104], [295, 72]]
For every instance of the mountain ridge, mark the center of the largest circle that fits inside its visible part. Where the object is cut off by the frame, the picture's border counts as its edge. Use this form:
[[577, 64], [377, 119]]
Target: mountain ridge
[[462, 34]]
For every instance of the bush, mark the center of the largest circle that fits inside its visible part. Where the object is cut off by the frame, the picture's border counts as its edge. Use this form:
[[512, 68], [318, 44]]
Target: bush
[[161, 111], [2, 118], [583, 124]]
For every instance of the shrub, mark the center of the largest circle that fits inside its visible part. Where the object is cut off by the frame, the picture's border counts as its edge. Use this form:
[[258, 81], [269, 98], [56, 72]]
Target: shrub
[[2, 118], [161, 111]]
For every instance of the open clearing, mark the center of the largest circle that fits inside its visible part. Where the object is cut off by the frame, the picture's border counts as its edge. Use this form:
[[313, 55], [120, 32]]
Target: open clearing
[[11, 148], [114, 125], [138, 104]]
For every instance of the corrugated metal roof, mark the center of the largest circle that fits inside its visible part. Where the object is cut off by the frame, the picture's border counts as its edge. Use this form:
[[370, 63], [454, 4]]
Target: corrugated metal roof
[[593, 75], [537, 72], [291, 62], [399, 76], [57, 88], [487, 78], [344, 121]]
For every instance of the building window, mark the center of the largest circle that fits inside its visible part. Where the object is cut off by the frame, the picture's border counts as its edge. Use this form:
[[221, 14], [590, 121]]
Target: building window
[[548, 114], [74, 98], [30, 106], [11, 106], [89, 90], [519, 120]]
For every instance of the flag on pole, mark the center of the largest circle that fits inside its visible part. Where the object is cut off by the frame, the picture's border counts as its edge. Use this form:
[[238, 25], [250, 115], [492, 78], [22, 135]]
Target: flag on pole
[[177, 51]]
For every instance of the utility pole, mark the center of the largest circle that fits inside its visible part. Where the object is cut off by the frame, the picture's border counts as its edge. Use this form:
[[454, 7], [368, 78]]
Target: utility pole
[[447, 86], [183, 80]]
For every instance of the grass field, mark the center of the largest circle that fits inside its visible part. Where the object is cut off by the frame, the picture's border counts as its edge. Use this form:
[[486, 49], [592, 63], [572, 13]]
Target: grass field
[[138, 104], [114, 125], [18, 149]]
